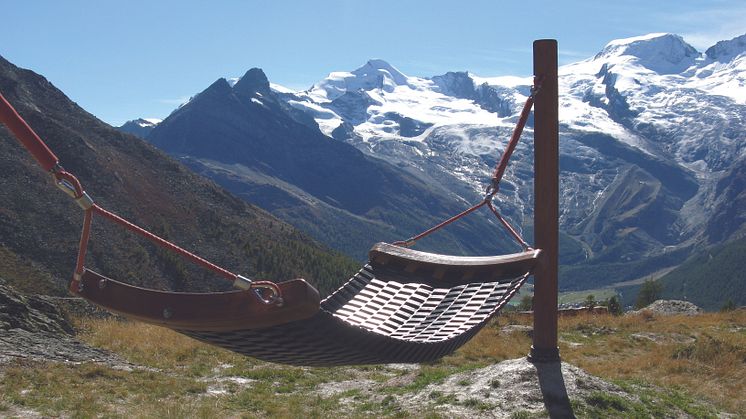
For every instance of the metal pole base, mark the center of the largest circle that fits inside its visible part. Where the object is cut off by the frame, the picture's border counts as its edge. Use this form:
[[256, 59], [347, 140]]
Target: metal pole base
[[543, 355]]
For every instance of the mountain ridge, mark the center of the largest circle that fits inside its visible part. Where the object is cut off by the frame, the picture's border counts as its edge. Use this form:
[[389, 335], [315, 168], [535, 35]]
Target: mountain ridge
[[647, 119], [246, 139], [40, 227]]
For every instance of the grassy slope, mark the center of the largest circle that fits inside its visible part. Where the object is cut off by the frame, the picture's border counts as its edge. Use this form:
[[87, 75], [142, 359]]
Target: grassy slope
[[673, 364], [710, 277]]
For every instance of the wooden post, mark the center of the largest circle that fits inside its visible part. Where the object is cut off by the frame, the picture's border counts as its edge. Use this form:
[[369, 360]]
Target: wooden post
[[546, 203]]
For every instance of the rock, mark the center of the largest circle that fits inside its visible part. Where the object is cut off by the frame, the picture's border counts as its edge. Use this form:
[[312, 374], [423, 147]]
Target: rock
[[669, 308], [518, 328], [513, 386], [30, 313], [662, 338], [34, 328], [337, 387]]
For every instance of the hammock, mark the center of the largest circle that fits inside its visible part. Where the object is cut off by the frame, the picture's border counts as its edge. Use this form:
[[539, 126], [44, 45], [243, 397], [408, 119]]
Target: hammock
[[404, 305]]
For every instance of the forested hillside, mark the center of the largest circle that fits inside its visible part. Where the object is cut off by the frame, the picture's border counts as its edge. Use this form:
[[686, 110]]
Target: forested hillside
[[40, 226]]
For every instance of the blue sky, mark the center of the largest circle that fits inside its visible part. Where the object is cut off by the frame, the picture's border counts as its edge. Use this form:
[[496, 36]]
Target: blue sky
[[128, 59]]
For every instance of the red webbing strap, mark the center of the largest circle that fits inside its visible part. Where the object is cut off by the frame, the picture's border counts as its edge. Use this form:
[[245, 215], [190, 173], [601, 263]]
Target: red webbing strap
[[70, 184], [499, 171], [83, 247], [410, 241], [258, 286], [509, 227], [43, 155], [163, 243]]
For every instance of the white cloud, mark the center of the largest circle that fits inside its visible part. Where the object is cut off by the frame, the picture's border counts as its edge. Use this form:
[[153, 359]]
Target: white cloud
[[177, 101], [723, 20]]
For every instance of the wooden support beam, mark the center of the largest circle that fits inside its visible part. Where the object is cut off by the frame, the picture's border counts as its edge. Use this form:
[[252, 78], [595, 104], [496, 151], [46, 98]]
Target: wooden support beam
[[546, 203]]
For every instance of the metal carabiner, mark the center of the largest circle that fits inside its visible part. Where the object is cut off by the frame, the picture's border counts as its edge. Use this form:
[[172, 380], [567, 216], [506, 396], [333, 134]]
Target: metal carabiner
[[260, 289]]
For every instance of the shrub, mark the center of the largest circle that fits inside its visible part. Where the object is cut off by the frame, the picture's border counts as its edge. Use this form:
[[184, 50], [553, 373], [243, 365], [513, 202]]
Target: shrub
[[614, 306], [728, 306]]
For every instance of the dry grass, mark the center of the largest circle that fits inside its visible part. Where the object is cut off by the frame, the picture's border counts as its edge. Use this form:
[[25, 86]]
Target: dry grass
[[154, 346], [492, 345], [701, 357]]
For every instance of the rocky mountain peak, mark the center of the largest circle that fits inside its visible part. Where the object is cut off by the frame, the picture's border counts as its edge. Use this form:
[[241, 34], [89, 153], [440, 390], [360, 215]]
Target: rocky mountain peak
[[725, 51], [252, 82], [140, 126], [455, 83], [218, 87]]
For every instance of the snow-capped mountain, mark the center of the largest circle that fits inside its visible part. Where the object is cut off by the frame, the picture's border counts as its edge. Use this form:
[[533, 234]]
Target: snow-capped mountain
[[255, 145], [140, 127], [648, 126]]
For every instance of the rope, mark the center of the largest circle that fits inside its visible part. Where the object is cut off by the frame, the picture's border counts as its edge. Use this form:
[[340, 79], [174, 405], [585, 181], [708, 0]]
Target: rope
[[497, 176], [164, 243], [275, 295], [410, 241], [509, 227], [499, 171], [27, 137], [83, 247], [68, 183]]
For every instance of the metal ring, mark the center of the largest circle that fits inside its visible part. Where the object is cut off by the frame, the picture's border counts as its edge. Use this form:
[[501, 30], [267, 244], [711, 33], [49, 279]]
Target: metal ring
[[275, 295]]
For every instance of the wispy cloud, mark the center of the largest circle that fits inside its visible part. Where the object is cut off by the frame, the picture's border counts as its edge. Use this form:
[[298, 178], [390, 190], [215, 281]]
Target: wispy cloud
[[177, 101], [571, 53], [724, 19], [568, 56]]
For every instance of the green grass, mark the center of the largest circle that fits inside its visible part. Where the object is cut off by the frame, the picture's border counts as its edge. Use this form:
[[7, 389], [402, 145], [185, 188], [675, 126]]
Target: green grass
[[658, 402], [652, 403], [693, 280], [91, 389], [695, 368], [573, 297]]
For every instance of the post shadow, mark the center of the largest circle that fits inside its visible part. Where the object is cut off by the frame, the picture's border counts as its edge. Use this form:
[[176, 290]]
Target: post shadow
[[553, 389]]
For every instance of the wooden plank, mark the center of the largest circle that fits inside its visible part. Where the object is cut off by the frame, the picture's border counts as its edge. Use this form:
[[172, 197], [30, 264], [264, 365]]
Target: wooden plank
[[405, 265], [388, 253], [220, 311]]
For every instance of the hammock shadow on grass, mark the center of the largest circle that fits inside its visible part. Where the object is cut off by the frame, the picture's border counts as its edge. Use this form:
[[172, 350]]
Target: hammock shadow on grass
[[553, 389]]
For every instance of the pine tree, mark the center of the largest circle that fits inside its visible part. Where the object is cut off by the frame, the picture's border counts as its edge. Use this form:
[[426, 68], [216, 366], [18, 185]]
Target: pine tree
[[527, 303], [614, 306], [590, 301], [649, 292]]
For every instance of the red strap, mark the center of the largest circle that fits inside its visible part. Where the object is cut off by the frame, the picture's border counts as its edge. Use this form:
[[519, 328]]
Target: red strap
[[70, 184], [497, 175], [164, 243], [43, 155], [410, 241]]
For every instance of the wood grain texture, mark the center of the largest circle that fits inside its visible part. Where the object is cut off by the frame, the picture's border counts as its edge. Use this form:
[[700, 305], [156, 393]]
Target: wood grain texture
[[220, 311], [406, 266], [546, 201]]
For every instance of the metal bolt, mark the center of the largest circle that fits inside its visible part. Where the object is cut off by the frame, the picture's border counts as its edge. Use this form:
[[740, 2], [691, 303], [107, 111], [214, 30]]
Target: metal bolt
[[167, 313]]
